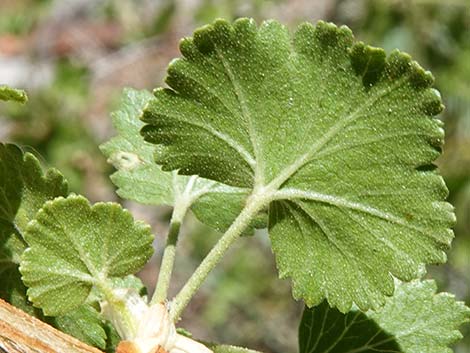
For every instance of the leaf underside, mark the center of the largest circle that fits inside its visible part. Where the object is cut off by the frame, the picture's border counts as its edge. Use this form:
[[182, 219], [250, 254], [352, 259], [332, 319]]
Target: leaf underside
[[414, 320], [139, 178], [74, 246], [341, 136]]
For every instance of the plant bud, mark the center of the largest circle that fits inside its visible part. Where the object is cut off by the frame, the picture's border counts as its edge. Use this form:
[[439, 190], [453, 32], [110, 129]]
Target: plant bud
[[148, 329]]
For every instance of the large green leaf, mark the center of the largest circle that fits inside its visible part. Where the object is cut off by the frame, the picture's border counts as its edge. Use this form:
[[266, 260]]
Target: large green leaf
[[12, 94], [74, 246], [414, 320], [138, 178], [336, 138]]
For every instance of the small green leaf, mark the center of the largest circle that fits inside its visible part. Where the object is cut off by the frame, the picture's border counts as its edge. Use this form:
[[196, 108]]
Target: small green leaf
[[74, 246], [334, 137], [23, 191], [12, 94], [138, 178], [84, 323], [414, 320], [13, 290]]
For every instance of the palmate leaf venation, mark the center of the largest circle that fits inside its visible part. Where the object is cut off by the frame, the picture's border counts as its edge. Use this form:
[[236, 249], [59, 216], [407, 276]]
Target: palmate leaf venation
[[340, 137]]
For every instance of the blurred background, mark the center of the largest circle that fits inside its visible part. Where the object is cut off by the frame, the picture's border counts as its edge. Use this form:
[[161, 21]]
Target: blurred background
[[74, 57]]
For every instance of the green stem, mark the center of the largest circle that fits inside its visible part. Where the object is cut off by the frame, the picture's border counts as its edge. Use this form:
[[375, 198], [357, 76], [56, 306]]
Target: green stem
[[253, 206], [169, 254]]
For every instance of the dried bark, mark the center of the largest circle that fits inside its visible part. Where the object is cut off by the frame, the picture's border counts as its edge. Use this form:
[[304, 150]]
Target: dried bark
[[22, 333]]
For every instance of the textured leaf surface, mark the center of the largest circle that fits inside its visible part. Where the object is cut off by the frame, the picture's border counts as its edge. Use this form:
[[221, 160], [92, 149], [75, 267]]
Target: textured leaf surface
[[12, 94], [13, 290], [324, 329], [24, 188], [128, 282], [139, 178], [84, 323], [74, 246], [338, 138], [414, 320]]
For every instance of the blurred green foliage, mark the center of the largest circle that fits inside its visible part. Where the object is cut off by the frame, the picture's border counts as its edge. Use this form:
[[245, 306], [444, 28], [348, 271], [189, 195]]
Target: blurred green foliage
[[20, 17], [50, 125]]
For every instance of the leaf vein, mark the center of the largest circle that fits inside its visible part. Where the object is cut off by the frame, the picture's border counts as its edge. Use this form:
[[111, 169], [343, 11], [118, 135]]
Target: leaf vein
[[247, 116], [305, 158]]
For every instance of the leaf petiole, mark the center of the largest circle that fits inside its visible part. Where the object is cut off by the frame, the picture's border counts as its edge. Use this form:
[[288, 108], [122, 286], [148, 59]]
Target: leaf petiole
[[254, 204], [182, 203]]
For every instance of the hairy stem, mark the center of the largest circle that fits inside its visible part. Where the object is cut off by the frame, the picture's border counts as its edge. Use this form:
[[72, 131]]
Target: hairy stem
[[253, 206], [168, 259]]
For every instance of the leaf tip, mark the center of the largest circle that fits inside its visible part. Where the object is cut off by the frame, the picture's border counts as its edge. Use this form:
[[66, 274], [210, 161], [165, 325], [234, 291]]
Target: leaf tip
[[329, 35], [245, 26], [187, 47], [202, 38], [420, 78], [367, 62], [398, 64], [432, 103]]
